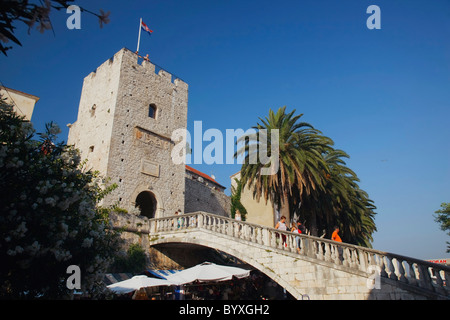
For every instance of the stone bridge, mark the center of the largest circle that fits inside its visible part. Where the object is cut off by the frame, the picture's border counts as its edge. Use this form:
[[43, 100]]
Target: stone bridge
[[323, 269]]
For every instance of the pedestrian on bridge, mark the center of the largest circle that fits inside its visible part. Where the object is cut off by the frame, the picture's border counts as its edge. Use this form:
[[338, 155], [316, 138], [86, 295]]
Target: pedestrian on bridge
[[335, 237], [300, 229], [281, 225]]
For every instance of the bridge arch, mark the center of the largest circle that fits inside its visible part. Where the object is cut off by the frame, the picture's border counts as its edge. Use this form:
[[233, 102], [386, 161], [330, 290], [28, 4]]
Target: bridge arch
[[323, 269], [210, 240]]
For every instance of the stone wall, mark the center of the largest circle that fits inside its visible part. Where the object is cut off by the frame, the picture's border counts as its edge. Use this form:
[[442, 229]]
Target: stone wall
[[201, 197], [117, 136], [319, 272]]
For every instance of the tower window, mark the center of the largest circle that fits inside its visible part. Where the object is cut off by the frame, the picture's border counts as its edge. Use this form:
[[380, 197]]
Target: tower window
[[92, 111], [152, 111]]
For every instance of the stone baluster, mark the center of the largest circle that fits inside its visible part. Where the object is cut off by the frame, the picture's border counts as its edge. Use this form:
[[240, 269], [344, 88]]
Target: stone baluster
[[244, 231], [259, 235], [317, 250], [382, 265], [230, 228], [290, 240], [151, 226], [216, 224], [223, 226], [363, 259], [254, 232], [338, 254], [327, 251], [303, 248], [401, 271], [249, 233], [273, 239], [447, 281], [390, 268], [266, 237], [424, 280], [237, 229], [354, 263], [314, 251], [411, 274], [208, 222], [200, 219], [439, 283], [211, 224], [346, 255]]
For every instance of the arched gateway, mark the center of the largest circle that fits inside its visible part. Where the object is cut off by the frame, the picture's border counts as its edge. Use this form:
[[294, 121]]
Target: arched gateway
[[147, 204]]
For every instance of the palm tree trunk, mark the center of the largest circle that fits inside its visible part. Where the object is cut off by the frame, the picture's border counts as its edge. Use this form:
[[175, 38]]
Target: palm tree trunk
[[313, 225], [284, 210]]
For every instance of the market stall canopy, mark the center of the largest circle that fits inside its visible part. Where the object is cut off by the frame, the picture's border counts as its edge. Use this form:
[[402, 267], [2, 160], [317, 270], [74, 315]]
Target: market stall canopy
[[207, 271], [136, 283]]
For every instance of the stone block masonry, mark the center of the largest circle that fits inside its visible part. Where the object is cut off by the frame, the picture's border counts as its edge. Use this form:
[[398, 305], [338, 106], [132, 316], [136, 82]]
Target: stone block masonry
[[318, 272], [126, 117]]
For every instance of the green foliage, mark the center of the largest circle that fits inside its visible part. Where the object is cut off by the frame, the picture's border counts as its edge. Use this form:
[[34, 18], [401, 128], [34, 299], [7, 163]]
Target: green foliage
[[312, 181], [33, 13], [133, 262], [442, 217], [48, 218], [236, 200]]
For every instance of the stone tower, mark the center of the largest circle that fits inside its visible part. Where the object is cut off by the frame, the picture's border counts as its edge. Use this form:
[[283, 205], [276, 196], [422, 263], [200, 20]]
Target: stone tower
[[126, 117]]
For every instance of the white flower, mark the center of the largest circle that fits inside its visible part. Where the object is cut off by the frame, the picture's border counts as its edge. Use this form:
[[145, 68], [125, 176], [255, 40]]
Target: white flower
[[64, 226], [51, 201], [34, 248], [3, 150], [43, 190], [16, 250], [94, 233], [21, 229], [87, 243], [54, 129], [73, 233]]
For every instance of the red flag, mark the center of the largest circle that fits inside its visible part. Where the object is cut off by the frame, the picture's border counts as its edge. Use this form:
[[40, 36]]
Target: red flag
[[145, 28]]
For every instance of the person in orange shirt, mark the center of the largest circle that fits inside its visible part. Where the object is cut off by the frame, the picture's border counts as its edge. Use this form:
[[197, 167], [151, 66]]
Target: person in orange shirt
[[335, 235]]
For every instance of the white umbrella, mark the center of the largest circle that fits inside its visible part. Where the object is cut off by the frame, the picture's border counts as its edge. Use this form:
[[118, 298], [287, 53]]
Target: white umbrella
[[207, 272], [136, 283]]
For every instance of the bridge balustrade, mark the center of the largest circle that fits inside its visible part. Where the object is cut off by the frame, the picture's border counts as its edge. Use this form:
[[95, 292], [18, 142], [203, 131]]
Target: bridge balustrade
[[415, 272]]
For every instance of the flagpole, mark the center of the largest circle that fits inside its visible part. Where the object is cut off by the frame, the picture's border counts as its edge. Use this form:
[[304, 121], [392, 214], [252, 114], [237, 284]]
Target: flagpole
[[139, 37]]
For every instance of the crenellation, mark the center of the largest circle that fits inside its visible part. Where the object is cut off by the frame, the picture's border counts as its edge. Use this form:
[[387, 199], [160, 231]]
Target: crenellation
[[122, 91]]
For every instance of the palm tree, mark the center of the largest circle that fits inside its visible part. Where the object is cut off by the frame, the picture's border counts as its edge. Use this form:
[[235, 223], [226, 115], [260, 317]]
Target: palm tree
[[341, 202], [312, 180], [301, 165]]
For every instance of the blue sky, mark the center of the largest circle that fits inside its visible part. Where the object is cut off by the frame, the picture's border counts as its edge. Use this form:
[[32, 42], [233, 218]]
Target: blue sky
[[382, 95]]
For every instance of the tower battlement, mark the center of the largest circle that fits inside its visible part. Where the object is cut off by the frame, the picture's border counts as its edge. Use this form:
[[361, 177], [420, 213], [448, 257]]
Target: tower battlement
[[126, 117], [137, 62]]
